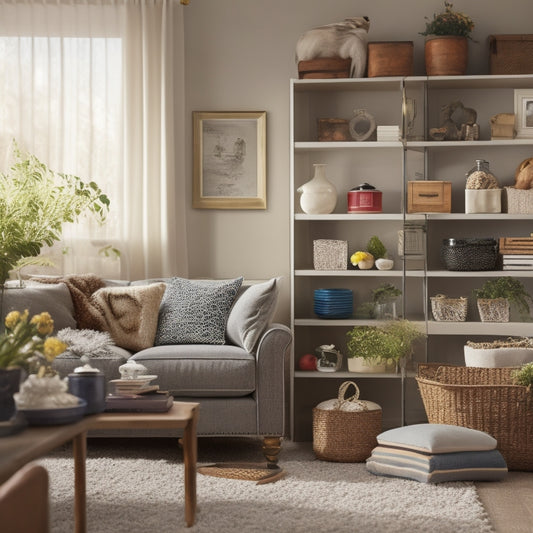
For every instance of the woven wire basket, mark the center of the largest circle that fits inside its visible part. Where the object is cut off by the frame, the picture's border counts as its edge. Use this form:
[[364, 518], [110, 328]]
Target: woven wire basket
[[484, 399], [449, 309], [493, 309]]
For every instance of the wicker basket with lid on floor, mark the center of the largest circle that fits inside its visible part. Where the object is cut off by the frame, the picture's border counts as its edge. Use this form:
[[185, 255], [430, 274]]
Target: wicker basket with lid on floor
[[345, 430]]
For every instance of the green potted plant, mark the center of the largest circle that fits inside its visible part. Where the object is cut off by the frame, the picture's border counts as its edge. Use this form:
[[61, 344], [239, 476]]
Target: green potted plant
[[446, 48], [523, 375], [495, 297], [381, 348], [35, 203], [384, 298]]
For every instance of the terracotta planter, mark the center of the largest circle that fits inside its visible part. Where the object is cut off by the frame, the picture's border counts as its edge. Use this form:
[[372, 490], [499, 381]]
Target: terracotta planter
[[446, 55]]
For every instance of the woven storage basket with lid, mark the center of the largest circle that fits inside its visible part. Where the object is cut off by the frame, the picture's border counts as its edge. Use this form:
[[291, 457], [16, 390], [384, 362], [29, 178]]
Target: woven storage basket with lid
[[345, 430]]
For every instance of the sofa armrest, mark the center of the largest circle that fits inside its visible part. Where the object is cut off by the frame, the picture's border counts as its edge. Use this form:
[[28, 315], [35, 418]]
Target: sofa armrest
[[271, 357]]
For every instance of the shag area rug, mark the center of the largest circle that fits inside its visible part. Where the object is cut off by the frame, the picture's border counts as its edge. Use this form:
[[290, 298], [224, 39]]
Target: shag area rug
[[131, 490]]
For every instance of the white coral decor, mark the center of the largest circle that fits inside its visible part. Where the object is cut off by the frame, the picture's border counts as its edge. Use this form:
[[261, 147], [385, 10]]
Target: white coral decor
[[44, 393]]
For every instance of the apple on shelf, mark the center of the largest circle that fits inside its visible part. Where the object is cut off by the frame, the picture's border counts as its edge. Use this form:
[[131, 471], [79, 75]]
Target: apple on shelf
[[307, 362]]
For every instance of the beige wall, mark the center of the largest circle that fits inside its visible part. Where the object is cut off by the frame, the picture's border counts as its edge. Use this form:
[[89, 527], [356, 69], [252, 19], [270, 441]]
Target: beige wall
[[240, 57]]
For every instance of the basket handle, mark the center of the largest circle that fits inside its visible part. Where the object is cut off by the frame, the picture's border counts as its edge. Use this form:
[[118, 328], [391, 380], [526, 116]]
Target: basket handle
[[341, 400]]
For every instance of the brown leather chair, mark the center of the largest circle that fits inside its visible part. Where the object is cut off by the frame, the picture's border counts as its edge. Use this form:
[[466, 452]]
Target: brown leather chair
[[24, 504]]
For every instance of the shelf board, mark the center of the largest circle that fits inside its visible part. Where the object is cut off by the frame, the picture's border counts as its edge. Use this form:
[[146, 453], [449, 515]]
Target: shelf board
[[479, 328], [468, 144], [477, 216], [349, 273], [479, 273], [346, 322], [314, 374], [351, 217], [392, 83], [335, 145]]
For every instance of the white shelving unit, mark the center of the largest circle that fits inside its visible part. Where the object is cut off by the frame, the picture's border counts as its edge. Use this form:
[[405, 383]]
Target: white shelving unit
[[388, 166]]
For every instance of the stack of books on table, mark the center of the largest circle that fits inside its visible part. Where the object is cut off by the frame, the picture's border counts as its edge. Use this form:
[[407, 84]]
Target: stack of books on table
[[137, 395], [388, 133], [516, 253]]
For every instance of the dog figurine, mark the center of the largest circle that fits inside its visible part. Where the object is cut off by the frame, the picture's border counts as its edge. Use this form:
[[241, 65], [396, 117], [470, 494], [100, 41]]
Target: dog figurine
[[346, 39], [524, 174]]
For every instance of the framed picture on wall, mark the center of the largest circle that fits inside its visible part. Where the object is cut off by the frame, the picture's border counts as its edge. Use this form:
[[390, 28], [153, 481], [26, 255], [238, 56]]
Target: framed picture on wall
[[229, 160], [523, 108]]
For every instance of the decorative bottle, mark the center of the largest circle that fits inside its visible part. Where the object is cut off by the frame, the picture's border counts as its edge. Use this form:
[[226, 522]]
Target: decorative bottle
[[318, 196]]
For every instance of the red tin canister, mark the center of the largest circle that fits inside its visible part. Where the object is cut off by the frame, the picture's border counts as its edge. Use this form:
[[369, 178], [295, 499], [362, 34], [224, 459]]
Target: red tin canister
[[364, 199]]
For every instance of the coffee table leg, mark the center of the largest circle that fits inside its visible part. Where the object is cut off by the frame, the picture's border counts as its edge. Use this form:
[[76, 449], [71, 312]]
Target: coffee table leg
[[80, 454], [189, 460]]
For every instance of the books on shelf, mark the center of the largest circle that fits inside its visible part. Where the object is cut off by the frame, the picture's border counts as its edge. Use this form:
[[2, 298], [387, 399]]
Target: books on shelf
[[151, 402], [517, 262]]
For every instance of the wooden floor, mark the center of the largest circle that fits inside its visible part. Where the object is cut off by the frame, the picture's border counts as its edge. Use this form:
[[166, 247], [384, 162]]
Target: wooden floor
[[509, 503]]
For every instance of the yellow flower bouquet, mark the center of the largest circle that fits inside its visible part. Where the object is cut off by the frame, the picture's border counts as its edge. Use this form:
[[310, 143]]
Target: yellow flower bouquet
[[26, 343]]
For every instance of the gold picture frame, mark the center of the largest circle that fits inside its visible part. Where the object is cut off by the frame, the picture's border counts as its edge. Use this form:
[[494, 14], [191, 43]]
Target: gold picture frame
[[229, 160]]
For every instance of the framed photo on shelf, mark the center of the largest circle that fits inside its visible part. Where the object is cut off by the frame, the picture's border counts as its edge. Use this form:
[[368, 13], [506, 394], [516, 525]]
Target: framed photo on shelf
[[523, 108], [229, 160]]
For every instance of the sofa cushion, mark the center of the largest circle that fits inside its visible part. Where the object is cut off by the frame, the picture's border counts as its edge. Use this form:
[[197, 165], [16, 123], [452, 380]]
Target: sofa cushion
[[199, 370], [195, 312], [437, 438], [486, 465], [251, 313], [38, 297], [129, 313]]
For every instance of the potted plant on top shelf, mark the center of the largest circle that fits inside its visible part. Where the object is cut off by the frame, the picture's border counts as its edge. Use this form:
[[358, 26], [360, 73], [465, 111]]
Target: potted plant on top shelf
[[496, 296], [381, 348], [446, 48]]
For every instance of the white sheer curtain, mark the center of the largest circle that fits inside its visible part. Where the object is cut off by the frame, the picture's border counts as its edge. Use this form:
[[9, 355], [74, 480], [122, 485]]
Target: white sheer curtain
[[95, 88]]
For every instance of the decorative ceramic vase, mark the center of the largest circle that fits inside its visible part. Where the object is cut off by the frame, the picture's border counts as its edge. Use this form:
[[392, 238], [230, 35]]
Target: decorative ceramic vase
[[318, 196], [9, 385], [88, 383], [446, 55]]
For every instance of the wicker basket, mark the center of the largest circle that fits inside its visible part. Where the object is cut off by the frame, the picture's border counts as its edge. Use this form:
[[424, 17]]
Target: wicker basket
[[493, 309], [346, 430], [449, 309], [518, 201], [484, 399]]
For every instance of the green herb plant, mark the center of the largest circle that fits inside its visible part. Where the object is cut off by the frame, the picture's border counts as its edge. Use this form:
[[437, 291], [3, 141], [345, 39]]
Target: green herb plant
[[506, 287], [523, 375], [449, 22], [385, 293], [390, 343], [35, 203], [376, 248]]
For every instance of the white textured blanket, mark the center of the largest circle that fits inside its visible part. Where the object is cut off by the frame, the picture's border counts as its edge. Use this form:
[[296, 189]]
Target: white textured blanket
[[85, 342]]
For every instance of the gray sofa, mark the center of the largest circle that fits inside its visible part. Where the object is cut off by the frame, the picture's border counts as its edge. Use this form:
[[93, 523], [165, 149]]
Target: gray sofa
[[238, 379]]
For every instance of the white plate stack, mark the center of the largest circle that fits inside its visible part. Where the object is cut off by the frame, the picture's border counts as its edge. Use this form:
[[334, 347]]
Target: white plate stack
[[388, 133]]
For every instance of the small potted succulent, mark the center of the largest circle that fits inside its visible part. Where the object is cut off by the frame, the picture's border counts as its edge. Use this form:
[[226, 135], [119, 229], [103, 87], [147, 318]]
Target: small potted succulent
[[381, 348], [446, 49], [496, 296]]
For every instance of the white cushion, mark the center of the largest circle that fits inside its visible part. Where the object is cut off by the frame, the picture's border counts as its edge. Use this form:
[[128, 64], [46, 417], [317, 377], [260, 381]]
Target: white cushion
[[437, 438]]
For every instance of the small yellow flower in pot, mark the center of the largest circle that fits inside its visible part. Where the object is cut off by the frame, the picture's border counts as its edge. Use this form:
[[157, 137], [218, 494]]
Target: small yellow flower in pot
[[363, 260]]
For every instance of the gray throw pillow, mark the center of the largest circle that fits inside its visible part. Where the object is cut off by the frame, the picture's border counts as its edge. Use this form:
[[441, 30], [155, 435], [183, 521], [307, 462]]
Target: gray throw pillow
[[251, 313], [39, 297], [195, 312]]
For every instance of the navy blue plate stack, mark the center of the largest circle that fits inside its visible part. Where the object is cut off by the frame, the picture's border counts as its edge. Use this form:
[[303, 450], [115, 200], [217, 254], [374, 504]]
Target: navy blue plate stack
[[333, 303]]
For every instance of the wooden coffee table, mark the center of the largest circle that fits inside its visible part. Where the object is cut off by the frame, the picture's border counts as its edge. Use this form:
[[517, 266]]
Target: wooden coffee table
[[182, 415], [35, 442]]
